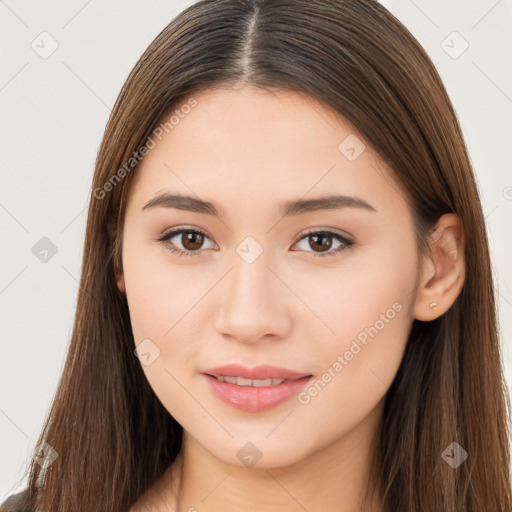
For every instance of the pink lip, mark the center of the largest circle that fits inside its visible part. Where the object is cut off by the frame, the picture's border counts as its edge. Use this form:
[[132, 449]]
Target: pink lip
[[257, 373], [254, 399]]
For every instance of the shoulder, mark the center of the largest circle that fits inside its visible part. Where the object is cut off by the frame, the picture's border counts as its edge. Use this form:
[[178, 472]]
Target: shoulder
[[16, 503]]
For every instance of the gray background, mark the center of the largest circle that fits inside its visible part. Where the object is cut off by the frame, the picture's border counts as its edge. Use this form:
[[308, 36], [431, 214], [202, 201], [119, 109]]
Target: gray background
[[54, 111]]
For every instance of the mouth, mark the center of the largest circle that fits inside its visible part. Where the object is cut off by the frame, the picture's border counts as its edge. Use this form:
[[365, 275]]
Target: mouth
[[257, 389]]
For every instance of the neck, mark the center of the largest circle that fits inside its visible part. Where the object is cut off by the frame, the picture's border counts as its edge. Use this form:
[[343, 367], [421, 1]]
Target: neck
[[334, 478]]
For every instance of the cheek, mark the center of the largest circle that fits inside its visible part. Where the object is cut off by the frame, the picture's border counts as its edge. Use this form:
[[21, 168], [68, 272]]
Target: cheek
[[366, 289], [355, 380], [164, 303], [161, 293]]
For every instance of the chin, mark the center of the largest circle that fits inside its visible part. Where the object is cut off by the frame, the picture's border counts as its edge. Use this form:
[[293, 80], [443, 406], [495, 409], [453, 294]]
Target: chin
[[258, 452]]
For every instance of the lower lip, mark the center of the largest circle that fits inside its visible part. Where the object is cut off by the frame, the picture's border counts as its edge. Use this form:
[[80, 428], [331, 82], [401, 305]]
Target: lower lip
[[252, 399]]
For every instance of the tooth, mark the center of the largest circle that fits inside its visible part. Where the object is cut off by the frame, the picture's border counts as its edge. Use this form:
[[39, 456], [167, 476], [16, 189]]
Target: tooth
[[240, 381], [262, 383], [257, 383]]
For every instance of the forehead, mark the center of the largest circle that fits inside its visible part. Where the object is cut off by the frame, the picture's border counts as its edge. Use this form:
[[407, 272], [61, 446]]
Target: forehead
[[249, 142]]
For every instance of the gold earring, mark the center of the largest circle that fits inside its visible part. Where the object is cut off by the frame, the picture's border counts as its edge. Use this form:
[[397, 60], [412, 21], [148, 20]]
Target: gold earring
[[433, 305]]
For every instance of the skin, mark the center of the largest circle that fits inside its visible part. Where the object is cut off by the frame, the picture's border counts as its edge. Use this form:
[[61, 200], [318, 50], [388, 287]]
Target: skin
[[248, 151]]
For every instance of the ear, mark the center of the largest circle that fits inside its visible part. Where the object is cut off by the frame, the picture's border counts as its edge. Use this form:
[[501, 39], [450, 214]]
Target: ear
[[120, 282], [443, 271]]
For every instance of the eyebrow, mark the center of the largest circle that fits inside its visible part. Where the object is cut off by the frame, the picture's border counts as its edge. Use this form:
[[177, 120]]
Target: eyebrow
[[288, 208]]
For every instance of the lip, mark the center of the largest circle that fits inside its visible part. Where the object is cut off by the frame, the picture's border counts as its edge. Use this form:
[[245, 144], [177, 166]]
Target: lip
[[255, 399], [258, 372]]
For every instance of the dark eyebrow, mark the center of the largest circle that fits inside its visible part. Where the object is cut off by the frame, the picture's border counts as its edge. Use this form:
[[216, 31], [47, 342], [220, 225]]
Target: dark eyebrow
[[296, 207], [181, 202], [323, 203]]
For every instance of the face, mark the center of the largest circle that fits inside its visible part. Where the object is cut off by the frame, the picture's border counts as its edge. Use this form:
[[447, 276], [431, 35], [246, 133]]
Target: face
[[267, 274]]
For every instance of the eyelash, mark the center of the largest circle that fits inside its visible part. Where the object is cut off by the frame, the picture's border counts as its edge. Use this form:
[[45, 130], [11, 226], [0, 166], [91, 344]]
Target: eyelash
[[171, 234]]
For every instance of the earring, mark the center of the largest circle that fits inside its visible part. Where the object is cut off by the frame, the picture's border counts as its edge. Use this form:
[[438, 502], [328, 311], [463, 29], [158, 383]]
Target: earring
[[433, 305]]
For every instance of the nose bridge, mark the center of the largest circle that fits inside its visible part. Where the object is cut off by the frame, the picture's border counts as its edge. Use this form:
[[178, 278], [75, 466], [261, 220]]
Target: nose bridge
[[254, 305]]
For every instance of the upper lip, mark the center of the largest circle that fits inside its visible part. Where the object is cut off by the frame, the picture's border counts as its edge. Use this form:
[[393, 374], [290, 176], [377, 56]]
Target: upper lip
[[257, 373]]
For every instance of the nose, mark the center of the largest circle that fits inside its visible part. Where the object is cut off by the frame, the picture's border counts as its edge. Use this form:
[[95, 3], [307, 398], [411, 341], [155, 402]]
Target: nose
[[254, 305]]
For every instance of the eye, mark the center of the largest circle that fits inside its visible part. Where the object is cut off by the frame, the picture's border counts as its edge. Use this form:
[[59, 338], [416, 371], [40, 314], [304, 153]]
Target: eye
[[191, 241], [323, 240]]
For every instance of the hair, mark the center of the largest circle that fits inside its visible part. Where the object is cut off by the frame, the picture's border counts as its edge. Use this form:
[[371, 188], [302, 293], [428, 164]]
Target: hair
[[112, 434]]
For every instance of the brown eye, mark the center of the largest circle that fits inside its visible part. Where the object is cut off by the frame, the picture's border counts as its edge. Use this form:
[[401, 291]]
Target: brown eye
[[192, 240], [185, 242], [321, 243]]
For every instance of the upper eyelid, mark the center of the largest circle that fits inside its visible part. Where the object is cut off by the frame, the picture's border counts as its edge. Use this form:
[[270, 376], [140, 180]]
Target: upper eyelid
[[171, 233], [310, 231]]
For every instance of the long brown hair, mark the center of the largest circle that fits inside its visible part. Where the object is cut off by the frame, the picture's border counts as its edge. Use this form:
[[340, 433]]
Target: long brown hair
[[112, 435]]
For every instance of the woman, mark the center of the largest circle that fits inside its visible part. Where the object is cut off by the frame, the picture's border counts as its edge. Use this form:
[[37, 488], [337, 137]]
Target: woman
[[286, 299]]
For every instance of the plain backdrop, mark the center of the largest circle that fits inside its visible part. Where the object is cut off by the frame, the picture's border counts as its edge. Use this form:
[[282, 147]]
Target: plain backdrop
[[53, 110]]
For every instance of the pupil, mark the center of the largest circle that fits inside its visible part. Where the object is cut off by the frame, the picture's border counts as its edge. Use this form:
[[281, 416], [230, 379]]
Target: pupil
[[326, 238], [194, 238]]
